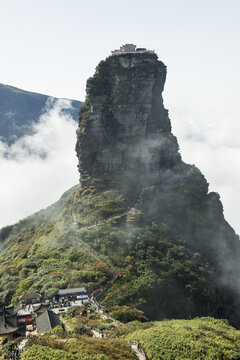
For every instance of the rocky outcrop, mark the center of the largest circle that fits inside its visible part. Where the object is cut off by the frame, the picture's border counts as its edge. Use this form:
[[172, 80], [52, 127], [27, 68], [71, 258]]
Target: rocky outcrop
[[124, 130], [177, 255], [125, 142]]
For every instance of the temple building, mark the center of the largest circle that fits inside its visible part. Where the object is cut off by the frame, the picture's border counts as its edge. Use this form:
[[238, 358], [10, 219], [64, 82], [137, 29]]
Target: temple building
[[47, 321], [79, 293], [8, 322], [33, 298], [130, 48]]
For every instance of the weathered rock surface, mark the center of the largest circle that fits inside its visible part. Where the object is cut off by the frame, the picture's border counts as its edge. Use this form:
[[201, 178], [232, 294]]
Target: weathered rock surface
[[177, 255], [124, 130], [125, 142]]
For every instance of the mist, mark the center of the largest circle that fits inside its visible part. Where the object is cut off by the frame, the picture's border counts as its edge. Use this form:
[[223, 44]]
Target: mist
[[209, 138], [38, 168]]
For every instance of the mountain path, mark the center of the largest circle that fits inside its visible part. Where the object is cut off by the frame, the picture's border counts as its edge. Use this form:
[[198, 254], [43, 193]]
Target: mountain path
[[94, 252], [137, 349]]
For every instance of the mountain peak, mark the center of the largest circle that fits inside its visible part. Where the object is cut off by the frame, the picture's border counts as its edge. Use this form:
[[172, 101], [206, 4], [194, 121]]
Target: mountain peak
[[124, 135]]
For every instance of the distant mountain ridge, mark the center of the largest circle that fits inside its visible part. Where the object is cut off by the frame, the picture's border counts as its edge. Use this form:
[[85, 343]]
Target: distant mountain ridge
[[19, 109]]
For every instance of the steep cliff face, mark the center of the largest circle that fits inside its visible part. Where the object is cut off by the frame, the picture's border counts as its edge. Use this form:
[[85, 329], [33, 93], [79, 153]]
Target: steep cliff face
[[177, 255], [124, 129], [125, 142]]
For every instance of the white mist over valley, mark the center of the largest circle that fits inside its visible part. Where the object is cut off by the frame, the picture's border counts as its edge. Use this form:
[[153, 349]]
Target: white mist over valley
[[38, 168]]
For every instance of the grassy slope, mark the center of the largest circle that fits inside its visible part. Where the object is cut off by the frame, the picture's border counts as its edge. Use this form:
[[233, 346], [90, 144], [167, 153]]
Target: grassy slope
[[202, 338], [47, 353], [197, 339], [40, 254], [81, 347]]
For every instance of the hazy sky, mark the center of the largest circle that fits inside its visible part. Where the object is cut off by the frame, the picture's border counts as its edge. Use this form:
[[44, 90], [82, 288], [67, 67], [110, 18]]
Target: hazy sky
[[53, 46]]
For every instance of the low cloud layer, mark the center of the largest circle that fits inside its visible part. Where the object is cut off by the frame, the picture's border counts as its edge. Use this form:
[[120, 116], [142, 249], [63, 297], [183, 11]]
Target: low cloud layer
[[38, 168], [212, 143]]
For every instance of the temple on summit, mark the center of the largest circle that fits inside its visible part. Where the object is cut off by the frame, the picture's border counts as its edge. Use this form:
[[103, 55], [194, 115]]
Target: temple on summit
[[130, 48]]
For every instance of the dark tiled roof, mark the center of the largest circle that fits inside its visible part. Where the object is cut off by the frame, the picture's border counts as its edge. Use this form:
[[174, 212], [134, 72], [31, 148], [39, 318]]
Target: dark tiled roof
[[30, 296], [9, 311], [7, 326], [72, 291], [8, 321], [40, 307], [47, 321]]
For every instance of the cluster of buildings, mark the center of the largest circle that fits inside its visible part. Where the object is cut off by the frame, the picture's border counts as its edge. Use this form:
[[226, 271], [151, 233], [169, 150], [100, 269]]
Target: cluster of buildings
[[36, 315], [130, 48]]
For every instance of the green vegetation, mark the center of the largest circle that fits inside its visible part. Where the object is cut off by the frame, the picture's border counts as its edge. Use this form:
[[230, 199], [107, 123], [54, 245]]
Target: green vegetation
[[157, 268], [91, 206], [79, 321], [165, 275], [46, 353], [200, 339], [40, 254], [79, 347], [126, 314], [44, 253], [80, 329]]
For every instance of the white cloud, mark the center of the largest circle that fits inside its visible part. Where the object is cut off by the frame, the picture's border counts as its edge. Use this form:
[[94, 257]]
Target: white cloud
[[212, 143], [38, 168]]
